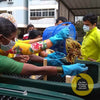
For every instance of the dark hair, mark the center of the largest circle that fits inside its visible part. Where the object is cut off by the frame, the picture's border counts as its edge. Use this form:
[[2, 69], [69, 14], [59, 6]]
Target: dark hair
[[33, 34], [91, 18], [63, 19], [30, 25], [7, 28]]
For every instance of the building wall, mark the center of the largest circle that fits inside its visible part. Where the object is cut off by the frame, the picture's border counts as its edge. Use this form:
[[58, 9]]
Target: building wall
[[16, 3], [64, 11], [19, 9], [42, 22], [21, 17], [71, 17]]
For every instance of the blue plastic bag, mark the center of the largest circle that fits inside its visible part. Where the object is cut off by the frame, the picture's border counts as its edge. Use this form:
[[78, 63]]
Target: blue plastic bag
[[51, 31]]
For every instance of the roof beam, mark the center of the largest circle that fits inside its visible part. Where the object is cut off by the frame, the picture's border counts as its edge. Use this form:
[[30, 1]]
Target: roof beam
[[78, 11], [83, 15], [84, 8]]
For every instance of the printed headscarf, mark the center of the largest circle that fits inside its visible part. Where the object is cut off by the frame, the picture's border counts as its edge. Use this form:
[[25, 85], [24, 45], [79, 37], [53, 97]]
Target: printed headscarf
[[9, 17]]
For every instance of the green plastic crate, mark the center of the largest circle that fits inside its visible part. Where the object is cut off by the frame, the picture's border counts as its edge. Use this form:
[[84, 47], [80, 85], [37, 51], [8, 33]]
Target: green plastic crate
[[49, 85], [93, 69], [17, 92]]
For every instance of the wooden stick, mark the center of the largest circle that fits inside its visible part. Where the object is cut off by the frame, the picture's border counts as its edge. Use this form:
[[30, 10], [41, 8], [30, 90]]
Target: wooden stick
[[45, 64], [69, 79]]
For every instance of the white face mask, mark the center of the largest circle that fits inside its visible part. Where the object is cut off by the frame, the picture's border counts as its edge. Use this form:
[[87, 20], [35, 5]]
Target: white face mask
[[8, 46], [86, 28]]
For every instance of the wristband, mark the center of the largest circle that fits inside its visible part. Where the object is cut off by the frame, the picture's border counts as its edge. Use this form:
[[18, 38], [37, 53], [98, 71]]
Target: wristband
[[59, 70], [44, 45]]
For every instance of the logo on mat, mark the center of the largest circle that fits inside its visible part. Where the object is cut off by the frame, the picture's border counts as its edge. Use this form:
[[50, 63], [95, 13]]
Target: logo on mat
[[82, 84]]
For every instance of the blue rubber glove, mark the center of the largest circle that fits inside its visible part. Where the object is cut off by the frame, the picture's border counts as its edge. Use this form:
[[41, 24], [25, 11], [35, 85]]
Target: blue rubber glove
[[61, 35], [54, 62], [56, 55], [54, 59], [73, 69]]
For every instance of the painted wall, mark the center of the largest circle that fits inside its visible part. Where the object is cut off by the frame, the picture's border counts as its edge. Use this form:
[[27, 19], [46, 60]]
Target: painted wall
[[16, 3], [19, 10], [21, 17], [71, 17], [43, 23], [64, 11], [45, 4]]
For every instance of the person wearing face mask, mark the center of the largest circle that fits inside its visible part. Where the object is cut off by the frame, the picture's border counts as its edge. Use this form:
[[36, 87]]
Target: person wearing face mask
[[7, 38], [90, 48], [18, 47], [22, 58]]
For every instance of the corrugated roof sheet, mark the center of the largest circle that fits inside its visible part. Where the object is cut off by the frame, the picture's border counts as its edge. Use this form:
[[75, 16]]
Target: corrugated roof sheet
[[82, 7]]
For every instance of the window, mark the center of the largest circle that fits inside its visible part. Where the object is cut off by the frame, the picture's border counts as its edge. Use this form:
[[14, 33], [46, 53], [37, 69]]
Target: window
[[51, 12], [10, 1], [42, 13], [10, 12]]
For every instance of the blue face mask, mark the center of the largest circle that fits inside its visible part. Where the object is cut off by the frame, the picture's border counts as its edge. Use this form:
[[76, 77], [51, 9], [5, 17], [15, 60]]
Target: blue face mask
[[8, 46], [86, 28]]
